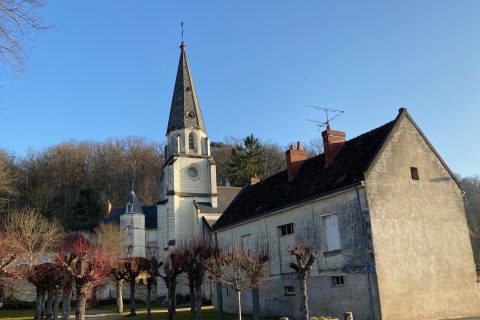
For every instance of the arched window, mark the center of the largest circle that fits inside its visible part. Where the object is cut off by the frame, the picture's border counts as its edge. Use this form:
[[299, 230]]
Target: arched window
[[192, 142]]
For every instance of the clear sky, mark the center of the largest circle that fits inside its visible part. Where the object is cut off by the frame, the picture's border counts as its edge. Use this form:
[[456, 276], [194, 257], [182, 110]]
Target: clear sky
[[107, 69]]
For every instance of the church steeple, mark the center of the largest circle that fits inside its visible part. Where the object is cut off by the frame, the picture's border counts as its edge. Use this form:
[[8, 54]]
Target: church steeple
[[185, 110]]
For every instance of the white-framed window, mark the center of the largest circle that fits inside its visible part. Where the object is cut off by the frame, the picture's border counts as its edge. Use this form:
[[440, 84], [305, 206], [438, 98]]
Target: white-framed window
[[289, 290], [286, 229], [333, 233], [338, 281]]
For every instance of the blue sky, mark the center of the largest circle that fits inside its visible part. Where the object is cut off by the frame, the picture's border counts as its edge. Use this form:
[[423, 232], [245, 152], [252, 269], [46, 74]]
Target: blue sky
[[107, 69]]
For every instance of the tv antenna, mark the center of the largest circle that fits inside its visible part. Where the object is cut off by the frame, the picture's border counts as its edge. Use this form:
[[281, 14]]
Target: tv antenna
[[330, 114]]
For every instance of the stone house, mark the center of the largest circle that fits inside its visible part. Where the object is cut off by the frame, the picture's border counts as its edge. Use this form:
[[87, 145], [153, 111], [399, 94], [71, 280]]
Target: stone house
[[386, 217]]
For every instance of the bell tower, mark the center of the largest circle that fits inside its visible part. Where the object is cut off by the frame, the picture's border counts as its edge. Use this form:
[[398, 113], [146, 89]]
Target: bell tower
[[189, 173]]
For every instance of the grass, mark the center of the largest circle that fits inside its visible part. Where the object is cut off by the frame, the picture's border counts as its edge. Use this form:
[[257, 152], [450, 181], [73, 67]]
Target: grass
[[109, 313]]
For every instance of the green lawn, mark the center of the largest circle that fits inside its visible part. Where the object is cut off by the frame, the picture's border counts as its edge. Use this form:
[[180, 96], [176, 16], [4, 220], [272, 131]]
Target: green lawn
[[107, 313]]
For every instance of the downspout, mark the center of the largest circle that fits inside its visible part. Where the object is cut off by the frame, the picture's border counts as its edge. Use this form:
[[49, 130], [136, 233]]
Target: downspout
[[365, 252]]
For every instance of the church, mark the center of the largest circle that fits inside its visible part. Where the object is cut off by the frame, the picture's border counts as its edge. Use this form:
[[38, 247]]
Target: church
[[190, 201]]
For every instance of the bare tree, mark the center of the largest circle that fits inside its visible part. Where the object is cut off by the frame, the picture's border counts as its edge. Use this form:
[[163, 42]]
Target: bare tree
[[30, 235], [111, 236], [197, 252], [172, 266], [18, 19], [88, 263], [238, 269], [304, 259], [152, 273], [47, 278], [7, 178], [134, 267]]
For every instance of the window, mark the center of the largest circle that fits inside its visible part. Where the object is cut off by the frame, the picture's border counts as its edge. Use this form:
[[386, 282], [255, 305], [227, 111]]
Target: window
[[333, 235], [414, 173], [192, 172], [289, 290], [192, 143], [286, 229], [129, 207], [338, 281]]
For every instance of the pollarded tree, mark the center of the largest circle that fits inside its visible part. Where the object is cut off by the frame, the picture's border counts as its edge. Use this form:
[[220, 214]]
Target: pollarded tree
[[304, 259], [238, 269], [47, 278], [134, 268], [111, 236], [172, 266], [88, 263], [152, 272], [197, 252]]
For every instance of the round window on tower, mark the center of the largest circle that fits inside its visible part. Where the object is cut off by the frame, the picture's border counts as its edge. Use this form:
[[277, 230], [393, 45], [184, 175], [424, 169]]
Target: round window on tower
[[193, 172]]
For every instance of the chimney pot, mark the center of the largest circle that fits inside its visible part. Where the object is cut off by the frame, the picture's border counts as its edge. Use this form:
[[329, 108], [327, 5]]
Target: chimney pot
[[295, 159], [332, 143]]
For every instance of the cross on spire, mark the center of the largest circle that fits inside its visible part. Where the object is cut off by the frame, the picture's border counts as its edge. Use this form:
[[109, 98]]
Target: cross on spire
[[181, 24]]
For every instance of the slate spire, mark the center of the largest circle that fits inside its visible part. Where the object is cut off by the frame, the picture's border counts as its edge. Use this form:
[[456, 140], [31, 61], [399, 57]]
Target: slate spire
[[133, 206], [185, 110]]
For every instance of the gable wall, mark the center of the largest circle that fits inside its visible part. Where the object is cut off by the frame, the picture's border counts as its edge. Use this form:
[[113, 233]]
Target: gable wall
[[423, 255]]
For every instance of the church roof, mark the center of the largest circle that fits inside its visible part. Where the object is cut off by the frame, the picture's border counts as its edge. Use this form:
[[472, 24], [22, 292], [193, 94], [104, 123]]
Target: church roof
[[225, 197], [150, 213], [185, 109], [312, 180]]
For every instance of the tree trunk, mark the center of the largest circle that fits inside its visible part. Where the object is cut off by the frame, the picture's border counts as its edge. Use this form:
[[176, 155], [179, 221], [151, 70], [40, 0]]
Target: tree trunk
[[198, 298], [219, 305], [38, 304], [66, 304], [81, 302], [256, 303], [172, 298], [132, 298], [304, 302], [191, 285], [119, 296], [239, 304], [149, 300], [56, 303], [48, 313]]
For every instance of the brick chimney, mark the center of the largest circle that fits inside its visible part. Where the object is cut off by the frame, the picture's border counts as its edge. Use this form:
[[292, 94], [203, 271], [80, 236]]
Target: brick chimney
[[254, 179], [332, 143], [295, 159]]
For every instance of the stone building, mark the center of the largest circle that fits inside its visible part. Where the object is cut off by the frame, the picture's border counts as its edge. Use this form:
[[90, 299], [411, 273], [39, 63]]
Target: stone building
[[386, 217], [190, 200]]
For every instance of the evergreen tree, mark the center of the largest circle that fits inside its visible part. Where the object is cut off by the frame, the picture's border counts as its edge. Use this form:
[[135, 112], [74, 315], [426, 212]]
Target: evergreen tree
[[245, 161]]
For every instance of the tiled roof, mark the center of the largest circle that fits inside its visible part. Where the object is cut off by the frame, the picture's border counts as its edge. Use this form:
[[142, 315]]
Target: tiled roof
[[312, 180], [225, 197]]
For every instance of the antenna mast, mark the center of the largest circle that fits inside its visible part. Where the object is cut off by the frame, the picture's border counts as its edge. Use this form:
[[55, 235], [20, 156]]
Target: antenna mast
[[330, 114]]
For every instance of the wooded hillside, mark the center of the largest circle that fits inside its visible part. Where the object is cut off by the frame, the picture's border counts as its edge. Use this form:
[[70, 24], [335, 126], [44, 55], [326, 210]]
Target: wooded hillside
[[72, 182]]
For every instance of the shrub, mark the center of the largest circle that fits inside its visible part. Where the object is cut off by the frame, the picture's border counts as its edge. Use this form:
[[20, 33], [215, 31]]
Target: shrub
[[13, 303]]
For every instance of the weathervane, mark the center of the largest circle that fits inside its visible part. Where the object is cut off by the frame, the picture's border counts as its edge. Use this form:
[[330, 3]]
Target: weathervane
[[181, 24], [329, 113]]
